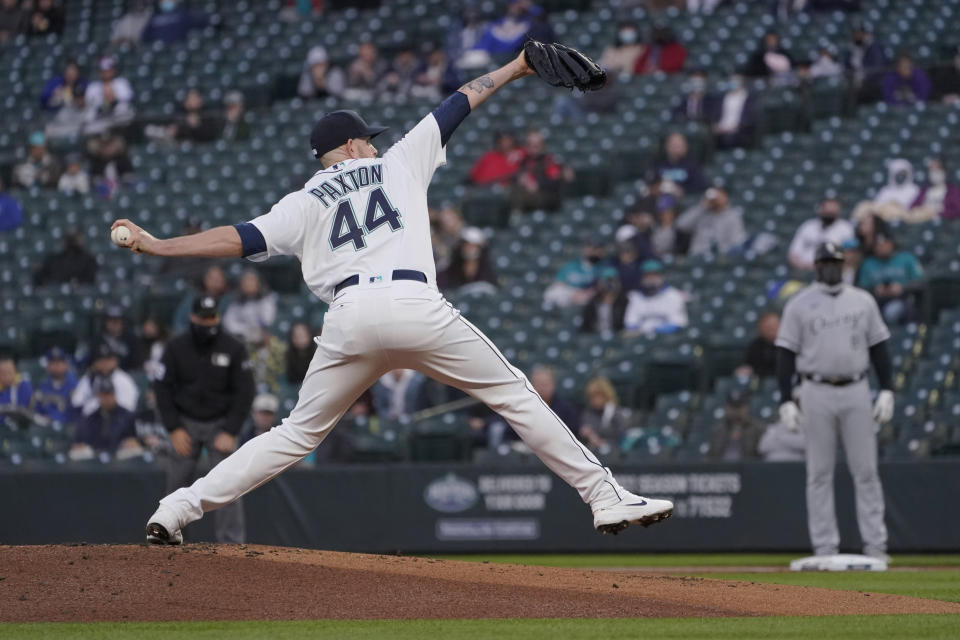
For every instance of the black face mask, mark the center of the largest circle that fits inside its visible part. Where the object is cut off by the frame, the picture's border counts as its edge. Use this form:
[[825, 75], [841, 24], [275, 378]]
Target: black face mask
[[202, 335], [649, 289], [593, 259], [826, 221], [830, 272]]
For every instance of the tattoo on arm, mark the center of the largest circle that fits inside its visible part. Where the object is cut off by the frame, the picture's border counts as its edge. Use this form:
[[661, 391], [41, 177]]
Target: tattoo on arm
[[479, 84]]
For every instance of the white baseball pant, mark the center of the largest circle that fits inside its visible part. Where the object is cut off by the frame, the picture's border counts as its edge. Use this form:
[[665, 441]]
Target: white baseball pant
[[368, 331]]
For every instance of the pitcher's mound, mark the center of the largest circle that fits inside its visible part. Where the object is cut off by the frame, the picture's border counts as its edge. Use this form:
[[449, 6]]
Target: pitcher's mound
[[224, 582]]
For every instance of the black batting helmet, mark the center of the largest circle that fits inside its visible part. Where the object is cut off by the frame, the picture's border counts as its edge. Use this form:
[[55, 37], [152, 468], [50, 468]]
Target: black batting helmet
[[828, 251]]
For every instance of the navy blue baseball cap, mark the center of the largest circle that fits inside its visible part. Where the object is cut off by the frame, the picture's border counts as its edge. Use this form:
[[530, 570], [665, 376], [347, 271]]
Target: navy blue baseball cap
[[335, 128], [205, 307]]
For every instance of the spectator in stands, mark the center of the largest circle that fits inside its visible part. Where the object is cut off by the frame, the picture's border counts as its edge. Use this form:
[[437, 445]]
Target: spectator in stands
[[46, 17], [110, 163], [500, 164], [572, 286], [638, 224], [868, 228], [603, 314], [737, 436], [894, 198], [865, 57], [192, 124], [172, 21], [678, 167], [63, 89], [104, 365], [852, 259], [69, 120], [446, 226], [13, 20], [630, 260], [907, 84], [938, 197], [119, 336], [430, 81], [300, 349], [826, 227], [214, 283], [656, 307], [621, 57], [460, 44], [470, 264], [73, 264], [398, 393], [663, 53], [603, 421], [760, 358], [11, 213], [75, 180], [769, 59], [694, 105], [401, 74], [267, 361], [780, 444], [263, 417], [364, 72], [51, 398], [714, 224], [253, 311], [129, 28], [319, 78], [235, 127], [122, 92], [663, 237], [153, 339], [109, 429], [40, 168], [826, 64], [544, 381], [149, 427], [507, 34], [539, 180], [108, 114], [893, 278], [734, 117], [15, 390]]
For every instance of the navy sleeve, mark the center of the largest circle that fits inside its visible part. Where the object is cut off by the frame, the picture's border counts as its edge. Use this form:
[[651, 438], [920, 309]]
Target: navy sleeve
[[450, 113], [880, 358], [252, 239], [786, 367]]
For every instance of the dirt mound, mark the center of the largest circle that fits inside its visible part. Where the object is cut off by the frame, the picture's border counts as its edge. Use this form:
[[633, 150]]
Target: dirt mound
[[223, 582]]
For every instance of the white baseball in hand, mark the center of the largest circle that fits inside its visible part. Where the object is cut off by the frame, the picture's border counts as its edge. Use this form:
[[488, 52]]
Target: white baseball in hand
[[120, 235]]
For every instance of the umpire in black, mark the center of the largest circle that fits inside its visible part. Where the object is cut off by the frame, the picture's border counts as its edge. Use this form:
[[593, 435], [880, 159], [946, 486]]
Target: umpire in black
[[204, 392]]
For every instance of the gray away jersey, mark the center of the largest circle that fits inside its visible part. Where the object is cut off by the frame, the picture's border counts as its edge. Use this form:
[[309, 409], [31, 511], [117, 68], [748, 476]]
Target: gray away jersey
[[831, 334]]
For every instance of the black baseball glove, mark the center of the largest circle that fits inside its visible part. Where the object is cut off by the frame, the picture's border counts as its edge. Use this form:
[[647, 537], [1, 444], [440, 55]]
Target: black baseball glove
[[563, 66]]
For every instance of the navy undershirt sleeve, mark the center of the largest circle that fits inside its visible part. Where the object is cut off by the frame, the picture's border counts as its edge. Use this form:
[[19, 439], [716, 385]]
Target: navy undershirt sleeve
[[252, 239], [786, 367], [450, 113]]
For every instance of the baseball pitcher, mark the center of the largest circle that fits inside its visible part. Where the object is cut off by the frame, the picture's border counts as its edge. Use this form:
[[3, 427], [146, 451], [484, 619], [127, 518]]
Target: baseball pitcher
[[829, 334], [360, 230]]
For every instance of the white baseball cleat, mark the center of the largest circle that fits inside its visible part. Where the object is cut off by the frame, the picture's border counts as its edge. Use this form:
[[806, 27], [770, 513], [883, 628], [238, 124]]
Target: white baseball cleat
[[631, 509], [164, 528]]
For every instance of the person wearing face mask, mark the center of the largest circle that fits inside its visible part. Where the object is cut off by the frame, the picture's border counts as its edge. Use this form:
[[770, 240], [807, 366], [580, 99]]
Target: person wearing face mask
[[769, 59], [204, 391], [734, 118], [830, 334], [573, 285], [906, 84], [938, 197], [621, 57], [693, 105], [172, 22], [656, 307], [828, 226], [663, 53], [894, 198]]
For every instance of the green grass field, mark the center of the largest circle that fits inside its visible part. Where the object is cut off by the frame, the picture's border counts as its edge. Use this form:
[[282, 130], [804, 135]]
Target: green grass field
[[936, 584]]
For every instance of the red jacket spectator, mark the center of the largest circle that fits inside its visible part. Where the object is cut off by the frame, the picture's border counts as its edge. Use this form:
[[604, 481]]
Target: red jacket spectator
[[499, 164], [664, 54]]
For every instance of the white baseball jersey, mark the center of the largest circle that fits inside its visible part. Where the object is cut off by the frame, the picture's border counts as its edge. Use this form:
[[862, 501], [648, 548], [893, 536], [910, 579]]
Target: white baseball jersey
[[811, 235], [831, 334], [361, 217]]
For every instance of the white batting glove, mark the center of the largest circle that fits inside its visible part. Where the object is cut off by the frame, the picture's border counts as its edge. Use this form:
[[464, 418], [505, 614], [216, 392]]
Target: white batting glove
[[790, 415], [883, 407]]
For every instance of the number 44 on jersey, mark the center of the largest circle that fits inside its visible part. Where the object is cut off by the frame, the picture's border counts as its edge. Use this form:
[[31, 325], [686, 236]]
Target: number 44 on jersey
[[379, 212]]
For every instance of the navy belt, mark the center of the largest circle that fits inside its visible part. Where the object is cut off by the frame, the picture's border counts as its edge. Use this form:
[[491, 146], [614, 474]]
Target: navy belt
[[836, 382], [398, 274]]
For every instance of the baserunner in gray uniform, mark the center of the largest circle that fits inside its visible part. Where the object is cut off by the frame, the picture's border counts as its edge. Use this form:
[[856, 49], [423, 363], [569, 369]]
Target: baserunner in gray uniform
[[829, 335]]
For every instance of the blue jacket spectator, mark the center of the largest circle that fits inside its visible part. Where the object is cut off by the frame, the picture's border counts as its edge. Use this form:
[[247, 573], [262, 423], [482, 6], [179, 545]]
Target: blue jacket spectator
[[865, 57], [398, 393], [11, 213], [906, 84], [507, 34], [15, 391], [63, 89], [678, 167], [172, 22], [51, 398], [109, 427]]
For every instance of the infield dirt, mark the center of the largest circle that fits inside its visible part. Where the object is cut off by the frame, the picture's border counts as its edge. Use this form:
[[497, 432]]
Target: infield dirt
[[247, 582]]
